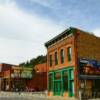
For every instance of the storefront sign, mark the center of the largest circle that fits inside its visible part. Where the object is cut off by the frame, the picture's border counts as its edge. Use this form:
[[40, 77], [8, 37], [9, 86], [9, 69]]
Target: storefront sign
[[7, 74], [15, 75], [89, 67], [91, 62], [26, 73]]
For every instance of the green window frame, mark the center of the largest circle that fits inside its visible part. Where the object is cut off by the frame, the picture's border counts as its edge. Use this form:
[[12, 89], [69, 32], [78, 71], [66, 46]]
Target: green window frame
[[50, 88], [65, 80], [69, 54], [62, 56], [50, 60], [56, 58], [57, 76]]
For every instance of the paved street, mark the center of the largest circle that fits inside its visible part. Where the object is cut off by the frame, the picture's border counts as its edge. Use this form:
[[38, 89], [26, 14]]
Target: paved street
[[13, 98], [33, 98], [22, 98]]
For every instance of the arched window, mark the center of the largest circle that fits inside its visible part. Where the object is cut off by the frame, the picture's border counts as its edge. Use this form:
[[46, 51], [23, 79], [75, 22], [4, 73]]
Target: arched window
[[62, 56], [69, 53], [56, 58], [50, 60]]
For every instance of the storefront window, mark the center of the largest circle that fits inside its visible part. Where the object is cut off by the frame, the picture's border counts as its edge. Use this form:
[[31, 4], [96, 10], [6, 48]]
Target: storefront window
[[72, 74], [50, 82], [57, 75], [65, 80]]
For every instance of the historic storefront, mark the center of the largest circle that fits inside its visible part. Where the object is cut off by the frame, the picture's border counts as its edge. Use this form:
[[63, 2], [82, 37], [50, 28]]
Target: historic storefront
[[61, 64], [20, 76], [61, 82], [89, 78], [73, 64]]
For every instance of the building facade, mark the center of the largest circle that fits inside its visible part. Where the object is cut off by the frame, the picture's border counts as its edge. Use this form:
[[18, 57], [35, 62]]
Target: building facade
[[39, 79], [5, 71], [14, 78], [64, 55]]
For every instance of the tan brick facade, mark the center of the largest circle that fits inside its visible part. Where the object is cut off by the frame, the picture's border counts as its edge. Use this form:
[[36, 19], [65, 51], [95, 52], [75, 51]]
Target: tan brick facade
[[88, 46]]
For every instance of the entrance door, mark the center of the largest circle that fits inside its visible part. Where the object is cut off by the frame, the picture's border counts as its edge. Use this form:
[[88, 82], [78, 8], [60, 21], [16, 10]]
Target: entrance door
[[71, 82], [72, 88], [57, 88]]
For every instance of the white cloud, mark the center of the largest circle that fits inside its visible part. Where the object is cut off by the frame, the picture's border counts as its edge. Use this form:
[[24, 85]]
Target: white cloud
[[46, 3], [97, 32], [22, 35], [25, 26]]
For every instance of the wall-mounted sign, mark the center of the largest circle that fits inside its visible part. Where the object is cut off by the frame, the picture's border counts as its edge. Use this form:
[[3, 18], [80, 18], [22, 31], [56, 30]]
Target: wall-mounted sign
[[27, 73], [89, 67], [16, 73]]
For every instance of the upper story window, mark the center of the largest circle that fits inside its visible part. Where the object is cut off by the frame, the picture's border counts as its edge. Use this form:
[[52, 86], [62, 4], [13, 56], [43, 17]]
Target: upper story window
[[62, 56], [69, 53], [56, 58], [50, 60]]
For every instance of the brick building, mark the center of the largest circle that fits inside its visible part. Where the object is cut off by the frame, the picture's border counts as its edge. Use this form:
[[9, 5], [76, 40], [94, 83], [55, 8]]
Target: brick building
[[5, 71], [13, 78], [73, 63], [16, 78], [39, 79]]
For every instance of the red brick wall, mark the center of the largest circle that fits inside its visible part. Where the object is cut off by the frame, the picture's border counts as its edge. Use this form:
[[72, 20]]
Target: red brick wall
[[64, 44], [5, 67], [41, 67], [68, 42], [38, 82]]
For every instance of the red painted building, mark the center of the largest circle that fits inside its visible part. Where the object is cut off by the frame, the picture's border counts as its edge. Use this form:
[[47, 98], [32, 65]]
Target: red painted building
[[39, 79], [5, 74], [15, 78]]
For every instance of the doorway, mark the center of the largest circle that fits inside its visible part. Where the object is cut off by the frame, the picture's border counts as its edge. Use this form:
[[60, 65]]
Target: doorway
[[57, 88], [72, 88]]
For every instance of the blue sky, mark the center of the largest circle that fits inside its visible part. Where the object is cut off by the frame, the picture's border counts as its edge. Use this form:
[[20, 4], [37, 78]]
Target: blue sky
[[25, 25]]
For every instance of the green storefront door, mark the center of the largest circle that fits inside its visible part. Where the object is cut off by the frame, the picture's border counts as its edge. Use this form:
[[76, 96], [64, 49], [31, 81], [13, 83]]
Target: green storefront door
[[71, 82], [72, 88], [57, 88]]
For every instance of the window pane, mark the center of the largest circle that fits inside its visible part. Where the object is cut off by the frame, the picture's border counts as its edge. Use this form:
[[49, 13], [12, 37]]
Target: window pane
[[72, 74], [69, 52], [50, 82], [50, 60], [65, 80], [56, 58], [62, 55], [57, 75]]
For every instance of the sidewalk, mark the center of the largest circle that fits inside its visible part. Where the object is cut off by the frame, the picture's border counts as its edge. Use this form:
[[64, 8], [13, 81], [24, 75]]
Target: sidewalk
[[34, 95], [60, 98]]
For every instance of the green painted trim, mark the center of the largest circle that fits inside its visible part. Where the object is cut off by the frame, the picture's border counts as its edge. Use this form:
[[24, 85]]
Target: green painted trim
[[65, 68], [60, 81], [62, 84]]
